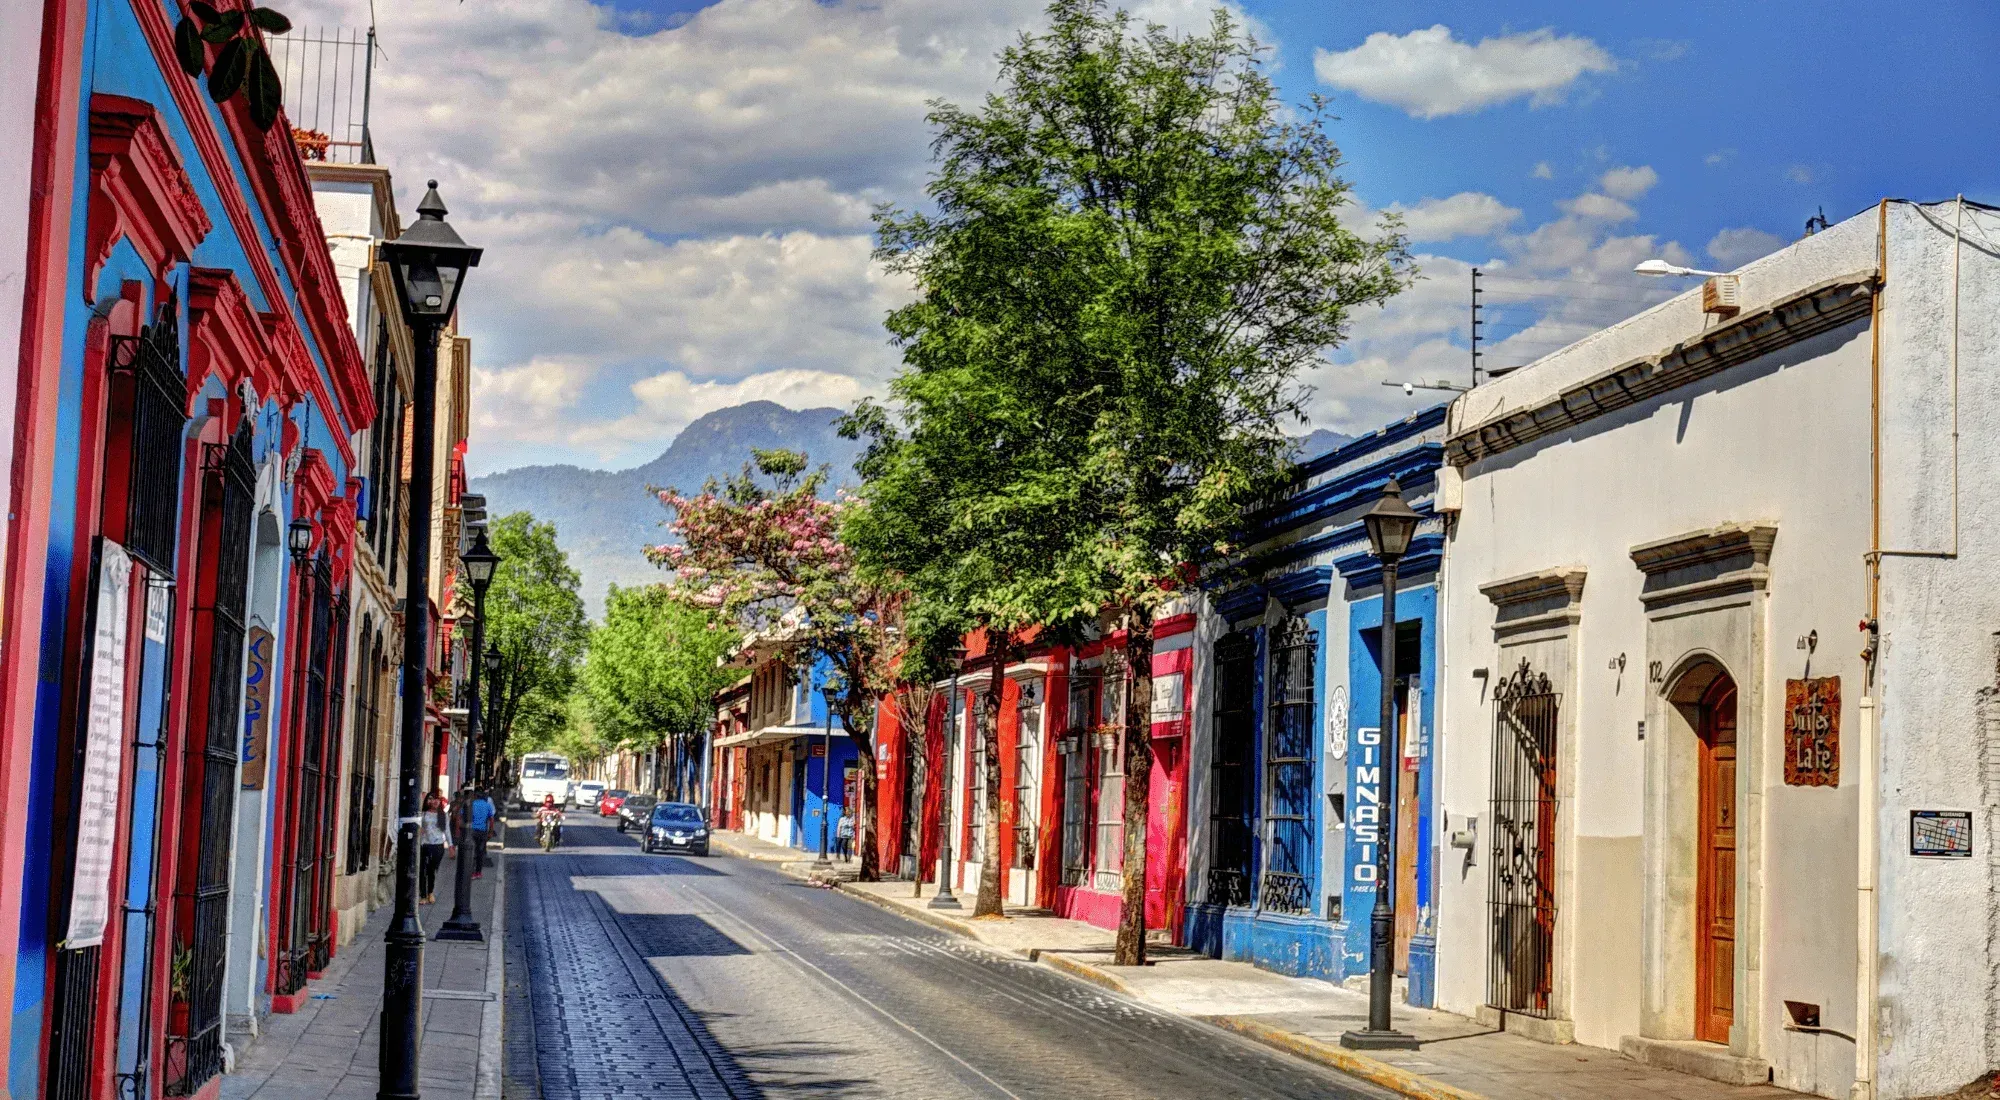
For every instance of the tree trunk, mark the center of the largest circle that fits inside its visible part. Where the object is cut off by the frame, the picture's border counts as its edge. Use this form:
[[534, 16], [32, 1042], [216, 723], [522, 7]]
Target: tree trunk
[[1137, 720], [864, 813], [991, 873]]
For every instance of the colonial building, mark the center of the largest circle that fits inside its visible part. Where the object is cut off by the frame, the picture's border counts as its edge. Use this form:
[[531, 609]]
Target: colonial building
[[1293, 773], [791, 766], [1706, 820]]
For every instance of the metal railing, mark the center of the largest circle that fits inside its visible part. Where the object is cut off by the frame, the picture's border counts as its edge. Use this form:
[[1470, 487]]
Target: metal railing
[[327, 74]]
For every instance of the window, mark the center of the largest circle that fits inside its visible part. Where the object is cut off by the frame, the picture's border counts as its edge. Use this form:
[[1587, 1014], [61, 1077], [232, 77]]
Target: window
[[1111, 781], [1076, 779], [1289, 733], [1027, 758], [1232, 813], [975, 850]]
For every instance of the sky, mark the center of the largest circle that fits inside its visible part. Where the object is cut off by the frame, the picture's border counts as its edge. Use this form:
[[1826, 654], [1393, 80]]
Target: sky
[[674, 195]]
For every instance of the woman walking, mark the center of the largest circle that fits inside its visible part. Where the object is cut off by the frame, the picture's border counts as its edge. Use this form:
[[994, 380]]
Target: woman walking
[[436, 839]]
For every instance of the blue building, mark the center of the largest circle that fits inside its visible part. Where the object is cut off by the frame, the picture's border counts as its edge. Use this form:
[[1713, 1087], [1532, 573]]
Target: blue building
[[1291, 772], [793, 770]]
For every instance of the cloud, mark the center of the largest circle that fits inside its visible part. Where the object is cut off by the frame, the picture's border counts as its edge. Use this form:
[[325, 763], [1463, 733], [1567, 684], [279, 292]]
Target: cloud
[[1628, 183], [1732, 248], [1800, 173], [1596, 207], [1429, 74], [1719, 158], [1466, 214], [1543, 171]]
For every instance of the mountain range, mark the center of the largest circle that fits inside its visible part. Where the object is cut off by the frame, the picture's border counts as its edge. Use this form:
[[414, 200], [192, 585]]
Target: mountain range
[[606, 518]]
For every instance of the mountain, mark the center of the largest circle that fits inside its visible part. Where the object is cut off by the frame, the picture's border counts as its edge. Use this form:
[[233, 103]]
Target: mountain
[[605, 518], [1320, 441]]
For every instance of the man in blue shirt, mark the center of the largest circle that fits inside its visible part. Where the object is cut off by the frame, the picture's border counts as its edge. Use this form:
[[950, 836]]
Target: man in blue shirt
[[482, 812]]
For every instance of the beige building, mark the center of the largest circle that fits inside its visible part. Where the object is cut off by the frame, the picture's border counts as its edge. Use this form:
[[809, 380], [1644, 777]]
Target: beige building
[[1697, 816]]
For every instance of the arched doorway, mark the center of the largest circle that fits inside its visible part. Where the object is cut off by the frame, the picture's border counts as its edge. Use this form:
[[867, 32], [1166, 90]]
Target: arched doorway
[[1715, 862]]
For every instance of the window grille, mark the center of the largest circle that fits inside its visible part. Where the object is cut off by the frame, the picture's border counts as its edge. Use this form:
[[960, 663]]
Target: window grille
[[975, 729], [1027, 761], [1231, 815], [1288, 763], [1110, 861], [1077, 748], [1521, 887]]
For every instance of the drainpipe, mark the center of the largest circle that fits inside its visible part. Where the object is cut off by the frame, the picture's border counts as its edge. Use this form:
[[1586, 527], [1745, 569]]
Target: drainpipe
[[1867, 951]]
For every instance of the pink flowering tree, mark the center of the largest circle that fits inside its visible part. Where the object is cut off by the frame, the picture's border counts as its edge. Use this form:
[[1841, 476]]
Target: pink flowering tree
[[762, 552]]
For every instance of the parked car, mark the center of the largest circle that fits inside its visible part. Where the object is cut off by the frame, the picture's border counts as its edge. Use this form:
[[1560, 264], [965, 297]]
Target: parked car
[[635, 811], [587, 793], [609, 801], [676, 826]]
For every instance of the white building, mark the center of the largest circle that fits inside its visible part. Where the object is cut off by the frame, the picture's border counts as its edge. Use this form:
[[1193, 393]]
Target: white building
[[1664, 537]]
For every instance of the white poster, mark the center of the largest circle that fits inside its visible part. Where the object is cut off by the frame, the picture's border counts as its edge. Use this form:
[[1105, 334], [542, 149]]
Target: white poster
[[104, 751]]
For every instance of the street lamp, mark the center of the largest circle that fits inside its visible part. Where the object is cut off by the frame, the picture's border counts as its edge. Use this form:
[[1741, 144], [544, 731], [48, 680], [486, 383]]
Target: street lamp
[[492, 720], [299, 539], [944, 899], [1391, 525], [828, 690], [428, 263], [478, 564], [1662, 269]]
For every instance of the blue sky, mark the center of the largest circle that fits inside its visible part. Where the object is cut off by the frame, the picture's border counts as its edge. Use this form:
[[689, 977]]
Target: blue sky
[[674, 195]]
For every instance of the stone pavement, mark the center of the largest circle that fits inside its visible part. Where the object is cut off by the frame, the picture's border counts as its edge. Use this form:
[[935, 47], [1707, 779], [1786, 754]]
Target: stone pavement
[[328, 1049], [1458, 1059]]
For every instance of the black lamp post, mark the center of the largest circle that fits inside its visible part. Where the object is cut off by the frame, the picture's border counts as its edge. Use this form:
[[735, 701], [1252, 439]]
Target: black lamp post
[[492, 720], [1391, 525], [944, 898], [428, 262], [478, 563], [827, 690]]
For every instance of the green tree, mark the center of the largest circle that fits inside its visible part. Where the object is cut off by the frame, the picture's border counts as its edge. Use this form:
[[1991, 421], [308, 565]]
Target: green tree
[[1134, 252], [651, 674], [535, 618]]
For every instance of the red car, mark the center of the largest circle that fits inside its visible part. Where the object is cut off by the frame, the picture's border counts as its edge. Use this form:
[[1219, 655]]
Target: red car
[[609, 801]]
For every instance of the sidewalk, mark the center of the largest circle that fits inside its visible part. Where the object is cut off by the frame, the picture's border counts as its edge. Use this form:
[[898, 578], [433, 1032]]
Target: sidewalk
[[1459, 1059], [328, 1049]]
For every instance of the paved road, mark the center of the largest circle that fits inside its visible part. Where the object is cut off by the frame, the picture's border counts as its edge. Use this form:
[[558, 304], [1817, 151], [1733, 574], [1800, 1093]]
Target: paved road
[[663, 976]]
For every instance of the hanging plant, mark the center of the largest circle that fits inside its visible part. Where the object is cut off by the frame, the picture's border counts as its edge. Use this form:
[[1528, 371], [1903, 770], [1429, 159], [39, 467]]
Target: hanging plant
[[242, 64]]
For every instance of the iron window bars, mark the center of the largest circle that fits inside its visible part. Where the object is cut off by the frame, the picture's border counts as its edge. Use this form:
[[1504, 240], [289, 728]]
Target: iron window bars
[[1521, 886], [1289, 766], [1233, 811]]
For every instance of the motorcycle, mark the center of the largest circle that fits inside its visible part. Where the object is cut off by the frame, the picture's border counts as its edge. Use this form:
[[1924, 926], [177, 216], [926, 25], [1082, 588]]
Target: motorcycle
[[549, 832]]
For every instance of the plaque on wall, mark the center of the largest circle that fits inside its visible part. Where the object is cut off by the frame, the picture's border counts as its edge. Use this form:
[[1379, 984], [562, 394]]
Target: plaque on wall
[[1812, 732], [256, 707], [1941, 834]]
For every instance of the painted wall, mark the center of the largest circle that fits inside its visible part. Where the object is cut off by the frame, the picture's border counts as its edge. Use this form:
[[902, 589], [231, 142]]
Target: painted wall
[[1780, 440]]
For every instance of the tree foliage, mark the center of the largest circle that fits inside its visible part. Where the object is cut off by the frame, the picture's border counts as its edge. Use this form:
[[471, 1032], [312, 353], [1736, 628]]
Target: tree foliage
[[1134, 253], [535, 618], [762, 551], [652, 672]]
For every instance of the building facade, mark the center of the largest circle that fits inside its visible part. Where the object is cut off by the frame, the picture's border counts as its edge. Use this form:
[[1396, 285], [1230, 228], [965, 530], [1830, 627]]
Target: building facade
[[1719, 828]]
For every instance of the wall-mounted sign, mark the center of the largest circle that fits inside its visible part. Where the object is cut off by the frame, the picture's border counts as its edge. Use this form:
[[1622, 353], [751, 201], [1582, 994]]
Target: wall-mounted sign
[[103, 751], [1812, 732], [256, 707], [1941, 834], [1364, 810]]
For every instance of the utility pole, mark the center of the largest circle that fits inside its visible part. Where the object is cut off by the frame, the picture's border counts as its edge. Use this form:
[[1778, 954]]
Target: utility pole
[[1476, 322]]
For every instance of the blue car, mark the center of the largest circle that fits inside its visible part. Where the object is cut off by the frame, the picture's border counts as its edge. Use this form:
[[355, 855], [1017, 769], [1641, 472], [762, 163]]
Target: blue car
[[676, 827]]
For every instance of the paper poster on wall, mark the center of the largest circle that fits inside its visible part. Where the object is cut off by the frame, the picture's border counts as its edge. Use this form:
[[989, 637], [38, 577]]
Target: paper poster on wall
[[103, 751], [256, 707]]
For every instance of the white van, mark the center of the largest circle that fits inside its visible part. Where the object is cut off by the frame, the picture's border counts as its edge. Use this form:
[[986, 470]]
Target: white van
[[543, 773], [587, 793]]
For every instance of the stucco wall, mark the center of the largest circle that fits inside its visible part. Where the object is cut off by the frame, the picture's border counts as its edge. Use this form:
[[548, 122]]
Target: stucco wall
[[1781, 440]]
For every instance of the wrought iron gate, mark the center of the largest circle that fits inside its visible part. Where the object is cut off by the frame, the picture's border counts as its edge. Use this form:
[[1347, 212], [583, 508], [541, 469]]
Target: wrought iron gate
[[296, 922], [194, 1037], [320, 932], [1289, 737], [1231, 817], [1521, 890]]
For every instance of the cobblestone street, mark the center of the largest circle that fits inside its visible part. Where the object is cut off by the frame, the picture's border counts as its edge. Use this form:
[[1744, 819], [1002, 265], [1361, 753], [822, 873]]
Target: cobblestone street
[[664, 976]]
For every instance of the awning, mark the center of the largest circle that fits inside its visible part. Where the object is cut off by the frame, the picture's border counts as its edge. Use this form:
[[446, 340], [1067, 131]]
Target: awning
[[771, 734]]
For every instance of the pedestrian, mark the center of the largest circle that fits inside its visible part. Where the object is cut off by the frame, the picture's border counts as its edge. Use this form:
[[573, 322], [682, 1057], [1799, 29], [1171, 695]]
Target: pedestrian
[[843, 837], [459, 800], [436, 839], [482, 813]]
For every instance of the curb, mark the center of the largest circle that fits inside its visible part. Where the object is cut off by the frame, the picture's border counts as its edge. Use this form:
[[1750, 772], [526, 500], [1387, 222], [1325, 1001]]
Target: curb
[[1394, 1078], [744, 853], [1081, 971], [924, 916], [492, 1019]]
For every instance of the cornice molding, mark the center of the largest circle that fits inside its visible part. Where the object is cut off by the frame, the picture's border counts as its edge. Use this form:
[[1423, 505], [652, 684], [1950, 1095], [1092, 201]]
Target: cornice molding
[[1715, 561], [1551, 599], [226, 337], [139, 192], [1813, 310]]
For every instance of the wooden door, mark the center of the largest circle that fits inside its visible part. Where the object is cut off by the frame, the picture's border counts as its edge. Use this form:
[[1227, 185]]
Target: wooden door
[[1715, 887], [1404, 762]]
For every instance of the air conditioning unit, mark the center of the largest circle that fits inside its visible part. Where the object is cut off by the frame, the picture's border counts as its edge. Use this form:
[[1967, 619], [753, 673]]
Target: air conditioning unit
[[1719, 296]]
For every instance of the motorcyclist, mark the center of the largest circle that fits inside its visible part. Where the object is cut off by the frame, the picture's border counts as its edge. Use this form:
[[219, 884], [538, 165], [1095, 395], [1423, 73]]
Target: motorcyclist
[[550, 814]]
